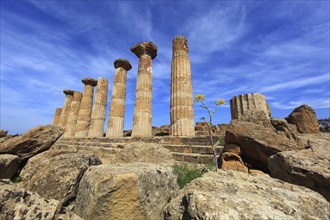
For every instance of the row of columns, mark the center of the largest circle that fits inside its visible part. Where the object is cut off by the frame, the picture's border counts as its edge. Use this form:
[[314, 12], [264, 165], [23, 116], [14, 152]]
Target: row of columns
[[81, 118]]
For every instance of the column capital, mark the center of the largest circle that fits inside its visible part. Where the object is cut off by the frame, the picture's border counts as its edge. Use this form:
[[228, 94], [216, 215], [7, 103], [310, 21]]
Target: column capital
[[123, 64], [145, 48], [68, 92], [180, 43], [89, 81]]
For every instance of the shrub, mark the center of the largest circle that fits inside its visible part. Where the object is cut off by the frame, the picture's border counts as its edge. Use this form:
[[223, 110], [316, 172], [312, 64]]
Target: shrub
[[186, 173]]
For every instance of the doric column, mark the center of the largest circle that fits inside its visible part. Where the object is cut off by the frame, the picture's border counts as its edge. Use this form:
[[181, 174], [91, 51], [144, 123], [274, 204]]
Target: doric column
[[73, 115], [182, 110], [85, 110], [57, 116], [249, 107], [118, 99], [96, 128], [66, 108], [142, 121]]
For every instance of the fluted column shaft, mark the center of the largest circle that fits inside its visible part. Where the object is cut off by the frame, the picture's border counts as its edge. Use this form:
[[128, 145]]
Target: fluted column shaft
[[66, 108], [57, 116], [96, 128], [118, 99], [142, 121], [85, 110], [73, 115], [181, 110]]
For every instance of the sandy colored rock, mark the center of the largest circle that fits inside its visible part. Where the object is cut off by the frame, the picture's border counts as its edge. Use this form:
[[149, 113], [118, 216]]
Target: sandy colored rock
[[32, 142], [182, 104], [304, 118], [55, 174], [8, 165], [96, 128], [57, 115], [250, 107], [66, 108], [236, 195], [73, 115], [125, 191], [19, 203], [232, 161], [142, 119], [310, 167], [283, 127], [85, 110], [144, 152], [257, 142], [118, 99]]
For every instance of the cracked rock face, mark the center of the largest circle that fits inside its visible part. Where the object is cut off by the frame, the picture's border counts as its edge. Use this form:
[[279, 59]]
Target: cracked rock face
[[19, 203], [236, 195], [304, 118], [310, 167], [125, 191], [55, 174]]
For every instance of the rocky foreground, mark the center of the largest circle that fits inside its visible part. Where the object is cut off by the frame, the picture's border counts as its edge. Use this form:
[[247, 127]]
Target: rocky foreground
[[269, 170]]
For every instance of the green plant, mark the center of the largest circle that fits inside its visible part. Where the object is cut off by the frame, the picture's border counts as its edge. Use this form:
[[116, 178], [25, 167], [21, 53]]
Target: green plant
[[186, 173], [200, 98]]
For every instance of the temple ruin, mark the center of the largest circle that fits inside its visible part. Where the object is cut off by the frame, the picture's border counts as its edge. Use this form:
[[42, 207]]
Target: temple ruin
[[83, 117]]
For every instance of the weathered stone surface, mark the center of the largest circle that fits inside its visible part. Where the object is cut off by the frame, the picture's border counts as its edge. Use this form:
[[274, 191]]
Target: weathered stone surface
[[283, 127], [85, 110], [310, 167], [56, 175], [202, 129], [57, 115], [232, 148], [32, 142], [257, 142], [144, 152], [304, 118], [164, 130], [232, 161], [96, 128], [18, 203], [182, 104], [223, 128], [73, 115], [125, 191], [8, 165], [66, 108], [142, 120], [236, 195], [250, 107], [118, 99]]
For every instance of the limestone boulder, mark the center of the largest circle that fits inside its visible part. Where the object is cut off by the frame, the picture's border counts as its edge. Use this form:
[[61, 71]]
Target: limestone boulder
[[125, 191], [8, 165], [32, 142], [310, 167], [283, 127], [257, 142], [144, 152], [232, 161], [304, 118], [237, 195], [19, 203], [55, 174]]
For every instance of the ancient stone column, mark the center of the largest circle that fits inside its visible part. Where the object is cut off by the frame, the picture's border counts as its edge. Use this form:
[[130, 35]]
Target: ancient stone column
[[66, 108], [85, 110], [73, 115], [57, 116], [118, 99], [142, 121], [249, 107], [96, 128], [182, 104]]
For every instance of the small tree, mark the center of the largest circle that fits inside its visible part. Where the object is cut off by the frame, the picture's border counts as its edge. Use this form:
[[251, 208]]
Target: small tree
[[200, 98]]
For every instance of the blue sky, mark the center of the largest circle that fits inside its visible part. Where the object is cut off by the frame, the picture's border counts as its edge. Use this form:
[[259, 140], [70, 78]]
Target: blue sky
[[277, 48]]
